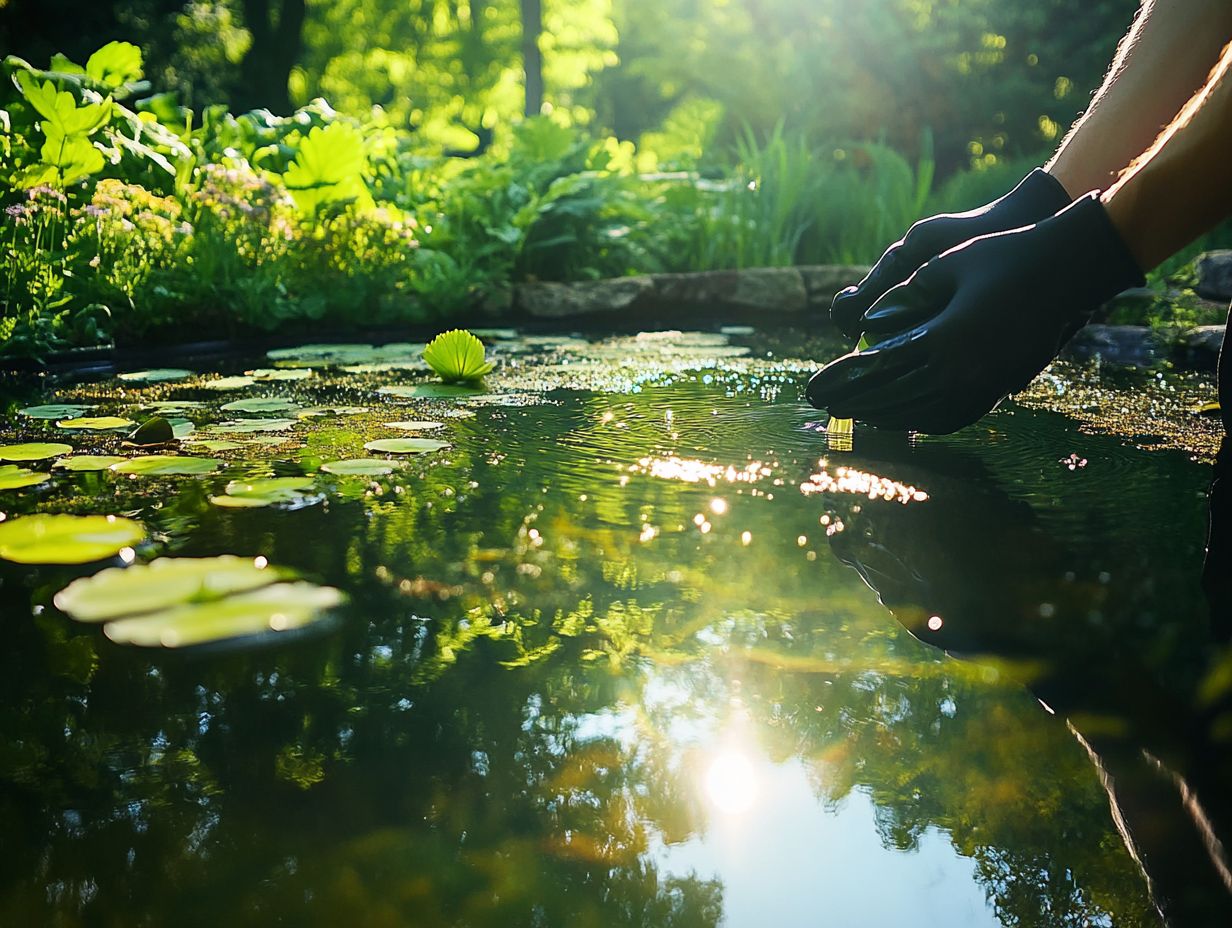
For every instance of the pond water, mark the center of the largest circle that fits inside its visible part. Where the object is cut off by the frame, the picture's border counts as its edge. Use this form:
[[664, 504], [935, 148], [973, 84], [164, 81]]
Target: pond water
[[626, 643]]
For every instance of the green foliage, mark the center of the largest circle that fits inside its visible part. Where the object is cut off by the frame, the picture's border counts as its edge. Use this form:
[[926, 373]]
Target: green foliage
[[457, 356]]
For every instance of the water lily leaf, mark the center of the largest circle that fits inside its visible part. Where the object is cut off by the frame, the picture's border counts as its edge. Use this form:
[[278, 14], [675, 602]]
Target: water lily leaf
[[241, 426], [156, 375], [416, 426], [266, 491], [280, 373], [88, 462], [182, 428], [495, 334], [34, 451], [64, 539], [167, 406], [54, 411], [277, 608], [431, 391], [258, 405], [228, 383], [405, 445], [166, 465], [13, 477], [381, 367], [312, 412], [95, 423], [457, 356], [154, 431], [163, 583], [361, 467]]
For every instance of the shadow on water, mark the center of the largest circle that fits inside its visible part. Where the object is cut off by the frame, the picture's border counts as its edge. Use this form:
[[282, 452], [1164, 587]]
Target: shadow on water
[[1127, 664], [606, 662]]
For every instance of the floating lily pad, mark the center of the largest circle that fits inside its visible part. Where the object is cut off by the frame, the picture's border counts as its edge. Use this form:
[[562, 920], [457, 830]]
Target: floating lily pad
[[405, 445], [54, 411], [431, 391], [241, 426], [457, 356], [416, 426], [182, 428], [89, 462], [265, 491], [13, 477], [361, 467], [64, 539], [228, 383], [495, 334], [96, 423], [736, 330], [156, 375], [161, 584], [167, 406], [34, 451], [277, 608], [381, 367], [167, 465], [313, 412], [154, 431], [261, 404], [280, 373]]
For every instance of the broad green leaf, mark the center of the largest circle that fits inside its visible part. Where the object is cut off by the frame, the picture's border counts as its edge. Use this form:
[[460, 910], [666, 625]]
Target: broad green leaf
[[64, 539], [166, 465], [54, 411], [13, 477], [244, 426], [154, 431], [457, 356], [280, 373], [96, 423], [73, 156], [166, 582], [216, 444], [228, 383], [89, 462], [34, 451], [259, 405], [405, 445], [115, 64], [157, 375], [361, 467], [277, 608], [329, 166], [265, 491]]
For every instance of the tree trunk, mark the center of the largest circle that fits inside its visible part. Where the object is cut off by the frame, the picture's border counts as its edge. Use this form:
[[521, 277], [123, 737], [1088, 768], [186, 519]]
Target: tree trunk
[[277, 37], [532, 58]]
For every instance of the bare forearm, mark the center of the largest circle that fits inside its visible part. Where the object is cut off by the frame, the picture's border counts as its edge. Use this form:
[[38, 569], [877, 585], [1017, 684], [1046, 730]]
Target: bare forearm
[[1181, 186], [1161, 62]]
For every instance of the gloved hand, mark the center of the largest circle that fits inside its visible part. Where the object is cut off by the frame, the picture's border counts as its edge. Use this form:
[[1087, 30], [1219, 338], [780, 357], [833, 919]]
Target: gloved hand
[[977, 323], [1037, 196]]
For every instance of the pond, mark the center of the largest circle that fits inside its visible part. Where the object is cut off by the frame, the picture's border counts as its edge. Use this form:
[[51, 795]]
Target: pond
[[617, 639]]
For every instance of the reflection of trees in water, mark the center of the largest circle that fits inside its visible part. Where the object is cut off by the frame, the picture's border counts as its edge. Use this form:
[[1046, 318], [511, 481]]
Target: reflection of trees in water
[[449, 770]]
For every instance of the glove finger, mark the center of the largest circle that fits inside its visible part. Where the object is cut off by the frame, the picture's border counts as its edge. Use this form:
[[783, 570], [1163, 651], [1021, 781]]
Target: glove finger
[[924, 295], [891, 269], [937, 414], [918, 386], [853, 373]]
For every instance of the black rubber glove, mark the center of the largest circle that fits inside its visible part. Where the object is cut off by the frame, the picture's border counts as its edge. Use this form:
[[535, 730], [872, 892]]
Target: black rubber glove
[[1037, 196], [978, 323]]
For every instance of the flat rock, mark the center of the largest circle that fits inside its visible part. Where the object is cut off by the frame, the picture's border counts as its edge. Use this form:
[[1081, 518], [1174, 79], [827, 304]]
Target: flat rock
[[1214, 270], [1199, 347], [751, 291], [1117, 344], [553, 300]]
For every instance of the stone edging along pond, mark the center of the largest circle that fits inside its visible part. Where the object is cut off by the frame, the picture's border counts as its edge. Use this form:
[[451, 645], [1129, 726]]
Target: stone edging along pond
[[768, 295]]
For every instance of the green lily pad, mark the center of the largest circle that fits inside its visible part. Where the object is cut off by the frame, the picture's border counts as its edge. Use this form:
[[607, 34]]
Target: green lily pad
[[167, 465], [457, 356], [34, 451], [430, 391], [277, 608], [265, 491], [154, 431], [498, 335], [13, 477], [166, 406], [280, 373], [228, 383], [260, 405], [89, 462], [156, 375], [161, 584], [64, 539], [54, 411], [382, 367], [96, 423], [361, 467], [405, 445], [313, 412], [241, 426], [415, 426], [182, 428]]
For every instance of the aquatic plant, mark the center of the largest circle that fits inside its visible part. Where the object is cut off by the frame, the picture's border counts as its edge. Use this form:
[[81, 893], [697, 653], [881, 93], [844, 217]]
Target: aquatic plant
[[457, 356]]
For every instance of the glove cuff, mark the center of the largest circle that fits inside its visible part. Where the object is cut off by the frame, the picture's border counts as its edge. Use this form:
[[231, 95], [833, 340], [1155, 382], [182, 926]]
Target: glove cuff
[[1036, 197]]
